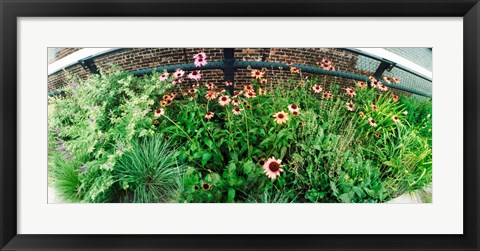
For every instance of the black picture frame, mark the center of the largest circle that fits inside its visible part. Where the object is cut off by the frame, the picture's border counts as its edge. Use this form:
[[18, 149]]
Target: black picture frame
[[11, 10]]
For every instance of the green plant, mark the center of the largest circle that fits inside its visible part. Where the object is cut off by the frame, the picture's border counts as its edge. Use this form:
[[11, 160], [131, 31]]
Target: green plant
[[148, 172]]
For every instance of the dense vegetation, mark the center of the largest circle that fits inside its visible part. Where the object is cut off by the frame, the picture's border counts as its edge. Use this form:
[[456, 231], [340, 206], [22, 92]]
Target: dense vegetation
[[120, 138]]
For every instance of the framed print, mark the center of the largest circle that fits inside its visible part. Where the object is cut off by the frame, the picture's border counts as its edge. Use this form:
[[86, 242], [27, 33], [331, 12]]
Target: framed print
[[239, 125]]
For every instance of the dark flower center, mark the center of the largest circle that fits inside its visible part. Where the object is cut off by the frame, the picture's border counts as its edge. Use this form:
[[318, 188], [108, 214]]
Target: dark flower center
[[274, 166], [294, 106], [205, 186], [280, 116], [158, 110], [261, 162], [224, 98]]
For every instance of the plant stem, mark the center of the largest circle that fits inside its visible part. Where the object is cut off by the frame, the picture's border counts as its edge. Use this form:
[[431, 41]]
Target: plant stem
[[178, 127]]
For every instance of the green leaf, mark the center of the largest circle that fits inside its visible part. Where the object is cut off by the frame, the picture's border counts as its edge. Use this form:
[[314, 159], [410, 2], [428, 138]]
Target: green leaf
[[206, 156], [231, 195], [345, 198]]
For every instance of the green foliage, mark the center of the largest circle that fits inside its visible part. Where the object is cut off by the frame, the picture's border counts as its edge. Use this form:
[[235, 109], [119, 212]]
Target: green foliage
[[148, 172]]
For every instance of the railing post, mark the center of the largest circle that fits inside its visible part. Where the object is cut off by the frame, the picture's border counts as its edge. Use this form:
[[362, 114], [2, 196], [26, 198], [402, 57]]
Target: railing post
[[385, 65], [228, 70]]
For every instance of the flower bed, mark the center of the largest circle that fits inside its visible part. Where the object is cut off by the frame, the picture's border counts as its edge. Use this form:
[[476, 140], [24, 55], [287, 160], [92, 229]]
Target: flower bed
[[120, 138]]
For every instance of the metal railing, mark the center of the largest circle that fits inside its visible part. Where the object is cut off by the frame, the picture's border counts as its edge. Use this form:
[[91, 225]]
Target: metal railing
[[229, 65]]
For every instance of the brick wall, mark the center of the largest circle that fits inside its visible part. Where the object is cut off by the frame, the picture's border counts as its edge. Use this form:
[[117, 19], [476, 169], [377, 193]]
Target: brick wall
[[131, 59]]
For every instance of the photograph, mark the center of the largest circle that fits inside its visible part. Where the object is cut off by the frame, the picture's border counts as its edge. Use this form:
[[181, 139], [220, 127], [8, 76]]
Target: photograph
[[240, 125]]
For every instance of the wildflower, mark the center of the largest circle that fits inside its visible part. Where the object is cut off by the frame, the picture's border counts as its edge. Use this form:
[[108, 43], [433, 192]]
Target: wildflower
[[228, 83], [326, 61], [394, 98], [159, 112], [296, 113], [195, 75], [163, 103], [235, 102], [250, 94], [206, 186], [261, 161], [330, 68], [350, 92], [350, 106], [237, 111], [272, 168], [387, 79], [173, 95], [209, 115], [177, 81], [372, 78], [167, 97], [200, 55], [192, 91], [248, 88], [196, 187], [264, 69], [361, 84], [248, 106], [164, 76], [210, 85], [317, 88], [362, 114], [377, 135], [328, 95], [178, 73], [224, 100], [264, 81], [237, 94], [372, 122], [195, 85], [396, 80], [300, 123], [257, 74], [293, 107], [374, 107], [374, 84], [383, 87], [211, 95], [294, 69], [262, 91], [289, 62], [281, 117], [395, 119], [199, 62]]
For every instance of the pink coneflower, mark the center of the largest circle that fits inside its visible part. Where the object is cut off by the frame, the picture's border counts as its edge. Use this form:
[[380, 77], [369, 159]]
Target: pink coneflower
[[296, 113], [192, 91], [372, 122], [350, 106], [173, 95], [177, 81], [211, 95], [178, 73], [257, 74], [167, 97], [206, 186], [237, 94], [374, 107], [383, 87], [272, 168], [224, 100], [280, 117], [164, 76], [328, 95], [264, 69], [374, 84], [387, 79], [209, 115], [250, 94], [372, 78], [200, 55], [228, 83], [394, 98], [235, 102], [210, 85], [195, 85], [293, 107], [361, 84], [395, 80], [199, 62], [195, 75], [159, 112], [330, 68], [262, 91], [395, 119], [294, 69], [264, 81], [350, 92], [362, 114], [289, 62], [237, 111], [326, 61], [317, 88], [164, 103], [248, 88], [377, 135]]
